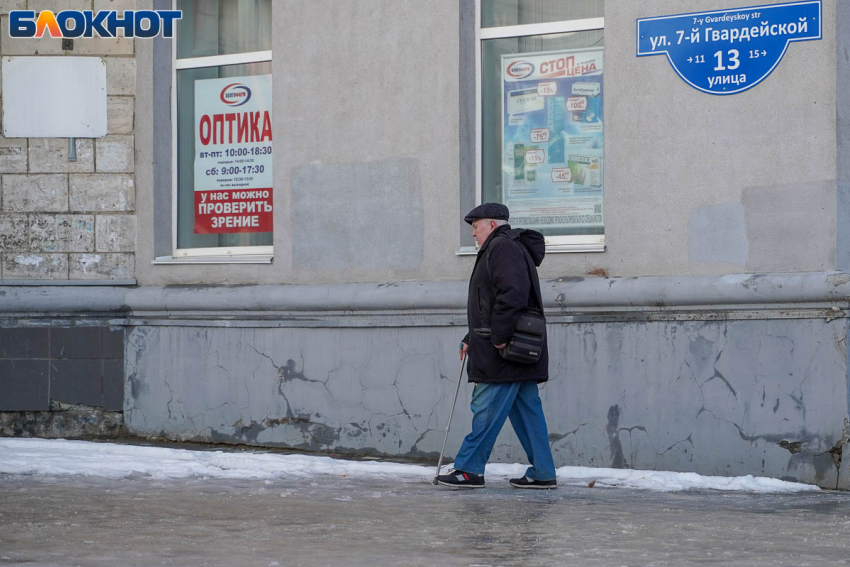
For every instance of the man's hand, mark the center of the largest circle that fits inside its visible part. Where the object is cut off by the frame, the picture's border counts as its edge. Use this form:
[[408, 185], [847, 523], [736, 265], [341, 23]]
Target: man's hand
[[503, 345], [464, 348]]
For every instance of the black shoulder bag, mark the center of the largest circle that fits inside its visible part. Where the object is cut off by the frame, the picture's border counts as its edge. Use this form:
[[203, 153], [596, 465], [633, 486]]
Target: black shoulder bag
[[526, 346]]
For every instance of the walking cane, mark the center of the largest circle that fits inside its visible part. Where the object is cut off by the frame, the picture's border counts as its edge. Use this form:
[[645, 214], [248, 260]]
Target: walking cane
[[449, 424]]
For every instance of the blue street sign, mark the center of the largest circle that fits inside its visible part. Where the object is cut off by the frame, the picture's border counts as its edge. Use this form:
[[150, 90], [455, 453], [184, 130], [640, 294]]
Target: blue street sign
[[728, 51]]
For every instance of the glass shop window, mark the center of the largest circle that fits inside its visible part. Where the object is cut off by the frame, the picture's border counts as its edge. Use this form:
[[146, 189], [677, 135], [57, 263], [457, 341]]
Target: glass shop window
[[223, 189], [540, 127]]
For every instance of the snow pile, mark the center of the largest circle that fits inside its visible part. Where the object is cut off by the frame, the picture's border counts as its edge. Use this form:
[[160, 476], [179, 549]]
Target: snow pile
[[60, 457], [662, 481], [114, 461]]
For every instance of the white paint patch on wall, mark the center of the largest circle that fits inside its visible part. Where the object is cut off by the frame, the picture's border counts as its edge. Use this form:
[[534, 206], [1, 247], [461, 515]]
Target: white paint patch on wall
[[29, 260], [88, 261]]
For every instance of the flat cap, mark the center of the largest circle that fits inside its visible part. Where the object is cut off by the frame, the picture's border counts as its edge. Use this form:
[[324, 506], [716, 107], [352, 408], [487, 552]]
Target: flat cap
[[495, 211]]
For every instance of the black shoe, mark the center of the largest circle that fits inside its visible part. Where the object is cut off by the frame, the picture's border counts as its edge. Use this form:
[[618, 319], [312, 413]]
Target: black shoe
[[459, 479], [525, 482]]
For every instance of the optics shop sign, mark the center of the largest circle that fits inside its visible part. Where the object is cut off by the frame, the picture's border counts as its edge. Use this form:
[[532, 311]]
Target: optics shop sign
[[233, 155], [552, 138], [729, 51]]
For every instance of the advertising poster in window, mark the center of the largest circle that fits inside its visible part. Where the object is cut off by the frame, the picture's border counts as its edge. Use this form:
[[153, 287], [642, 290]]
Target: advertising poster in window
[[233, 155], [552, 138]]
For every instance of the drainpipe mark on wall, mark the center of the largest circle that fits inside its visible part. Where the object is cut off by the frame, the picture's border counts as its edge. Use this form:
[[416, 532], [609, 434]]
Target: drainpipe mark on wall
[[799, 404], [618, 461], [555, 437], [718, 374], [686, 439]]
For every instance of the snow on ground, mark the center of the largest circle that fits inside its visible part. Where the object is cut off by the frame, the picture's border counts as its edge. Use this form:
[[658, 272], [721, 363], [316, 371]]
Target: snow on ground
[[116, 461]]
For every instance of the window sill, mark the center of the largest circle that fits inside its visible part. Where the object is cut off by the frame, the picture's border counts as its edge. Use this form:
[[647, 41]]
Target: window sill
[[19, 283], [564, 248], [550, 249], [245, 259]]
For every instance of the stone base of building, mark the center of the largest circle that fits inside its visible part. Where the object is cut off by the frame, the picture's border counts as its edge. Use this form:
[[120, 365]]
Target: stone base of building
[[63, 422]]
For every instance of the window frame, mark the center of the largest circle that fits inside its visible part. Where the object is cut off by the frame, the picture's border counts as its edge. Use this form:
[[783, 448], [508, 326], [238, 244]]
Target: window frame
[[221, 254], [566, 243]]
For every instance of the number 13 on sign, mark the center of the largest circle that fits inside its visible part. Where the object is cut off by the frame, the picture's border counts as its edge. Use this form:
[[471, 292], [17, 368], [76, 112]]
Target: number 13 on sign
[[732, 63]]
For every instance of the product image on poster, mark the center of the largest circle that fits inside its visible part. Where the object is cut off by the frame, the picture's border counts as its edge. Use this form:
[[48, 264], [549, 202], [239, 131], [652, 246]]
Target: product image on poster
[[552, 138], [233, 155]]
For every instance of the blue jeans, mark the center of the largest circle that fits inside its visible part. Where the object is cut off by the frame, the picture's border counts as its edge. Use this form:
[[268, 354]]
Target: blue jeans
[[491, 405]]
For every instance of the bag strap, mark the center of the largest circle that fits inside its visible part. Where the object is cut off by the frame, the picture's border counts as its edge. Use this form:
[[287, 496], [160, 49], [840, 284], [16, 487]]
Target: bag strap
[[535, 282]]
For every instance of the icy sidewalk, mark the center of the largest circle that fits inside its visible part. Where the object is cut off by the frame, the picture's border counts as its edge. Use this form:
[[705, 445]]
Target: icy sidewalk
[[117, 461]]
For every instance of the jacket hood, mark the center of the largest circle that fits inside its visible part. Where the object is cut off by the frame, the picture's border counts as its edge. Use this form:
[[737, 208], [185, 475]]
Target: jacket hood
[[533, 241]]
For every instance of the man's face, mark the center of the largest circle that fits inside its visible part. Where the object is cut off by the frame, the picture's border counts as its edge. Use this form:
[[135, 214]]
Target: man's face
[[481, 229]]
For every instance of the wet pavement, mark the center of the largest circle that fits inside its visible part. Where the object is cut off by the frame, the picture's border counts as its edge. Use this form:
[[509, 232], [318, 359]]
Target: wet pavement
[[374, 522]]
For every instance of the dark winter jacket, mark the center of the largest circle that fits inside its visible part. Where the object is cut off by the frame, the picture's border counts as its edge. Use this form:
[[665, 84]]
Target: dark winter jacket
[[499, 289]]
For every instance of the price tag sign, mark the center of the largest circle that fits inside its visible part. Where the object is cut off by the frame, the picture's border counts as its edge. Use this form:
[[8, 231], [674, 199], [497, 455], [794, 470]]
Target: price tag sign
[[535, 156], [575, 103], [726, 52], [547, 89], [538, 135], [561, 175]]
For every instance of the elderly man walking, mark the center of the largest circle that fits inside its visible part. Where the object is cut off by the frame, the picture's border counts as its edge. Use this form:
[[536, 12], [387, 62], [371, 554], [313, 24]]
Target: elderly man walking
[[503, 284]]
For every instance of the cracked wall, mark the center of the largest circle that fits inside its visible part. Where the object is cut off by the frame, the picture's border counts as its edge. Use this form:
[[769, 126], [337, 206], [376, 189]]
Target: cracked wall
[[724, 398], [762, 397], [378, 391]]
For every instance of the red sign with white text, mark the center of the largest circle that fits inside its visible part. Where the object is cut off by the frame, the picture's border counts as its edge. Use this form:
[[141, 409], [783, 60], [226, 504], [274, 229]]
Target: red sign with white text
[[231, 211]]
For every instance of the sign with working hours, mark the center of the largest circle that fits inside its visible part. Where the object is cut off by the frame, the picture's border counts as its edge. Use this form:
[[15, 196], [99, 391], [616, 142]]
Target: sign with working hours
[[233, 155], [729, 51]]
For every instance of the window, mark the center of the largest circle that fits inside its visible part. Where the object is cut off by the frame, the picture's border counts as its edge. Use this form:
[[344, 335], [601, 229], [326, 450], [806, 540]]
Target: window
[[222, 116], [540, 117]]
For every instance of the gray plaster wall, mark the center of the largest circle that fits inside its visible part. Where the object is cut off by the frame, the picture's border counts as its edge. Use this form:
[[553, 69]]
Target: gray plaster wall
[[324, 196], [765, 397], [383, 86], [843, 135], [677, 152]]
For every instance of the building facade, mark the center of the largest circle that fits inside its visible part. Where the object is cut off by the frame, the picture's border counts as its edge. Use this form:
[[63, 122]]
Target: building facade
[[266, 247]]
